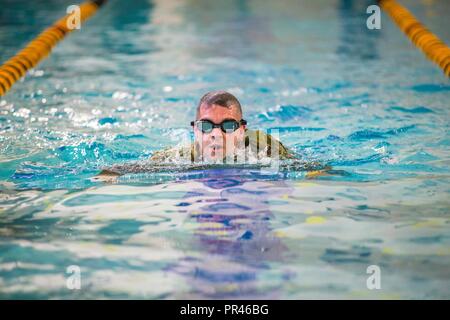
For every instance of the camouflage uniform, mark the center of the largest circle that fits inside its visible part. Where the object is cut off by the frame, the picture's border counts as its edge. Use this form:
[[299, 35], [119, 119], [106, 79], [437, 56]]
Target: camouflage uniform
[[256, 141]]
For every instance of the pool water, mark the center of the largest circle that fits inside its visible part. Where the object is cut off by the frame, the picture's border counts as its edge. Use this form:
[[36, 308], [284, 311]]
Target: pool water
[[364, 101]]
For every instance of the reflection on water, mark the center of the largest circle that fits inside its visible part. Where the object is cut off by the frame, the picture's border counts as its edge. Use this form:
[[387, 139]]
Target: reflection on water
[[233, 231], [228, 234]]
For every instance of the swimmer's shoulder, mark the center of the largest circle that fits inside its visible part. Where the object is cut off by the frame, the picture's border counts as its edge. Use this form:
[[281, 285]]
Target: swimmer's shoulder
[[172, 154], [258, 140], [314, 168]]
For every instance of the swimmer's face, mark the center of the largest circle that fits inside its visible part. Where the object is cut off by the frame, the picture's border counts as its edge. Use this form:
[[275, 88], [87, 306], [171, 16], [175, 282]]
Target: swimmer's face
[[217, 145]]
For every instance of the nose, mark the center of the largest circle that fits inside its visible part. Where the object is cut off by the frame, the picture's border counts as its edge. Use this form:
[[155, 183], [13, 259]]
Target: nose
[[216, 133]]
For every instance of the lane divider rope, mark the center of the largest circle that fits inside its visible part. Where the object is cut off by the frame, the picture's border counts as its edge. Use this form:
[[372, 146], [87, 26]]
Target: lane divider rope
[[41, 46], [433, 47]]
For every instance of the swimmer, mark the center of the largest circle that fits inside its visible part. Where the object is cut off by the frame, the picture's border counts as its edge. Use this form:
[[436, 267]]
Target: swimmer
[[220, 136]]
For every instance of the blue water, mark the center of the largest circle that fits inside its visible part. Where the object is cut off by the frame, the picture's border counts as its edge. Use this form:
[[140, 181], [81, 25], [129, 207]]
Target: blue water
[[364, 101]]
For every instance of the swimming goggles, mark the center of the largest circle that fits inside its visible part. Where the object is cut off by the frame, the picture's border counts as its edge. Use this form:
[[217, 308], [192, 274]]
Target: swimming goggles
[[227, 126]]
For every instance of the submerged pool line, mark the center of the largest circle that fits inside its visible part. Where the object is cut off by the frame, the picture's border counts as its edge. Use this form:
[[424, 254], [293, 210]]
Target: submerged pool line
[[40, 47], [433, 47]]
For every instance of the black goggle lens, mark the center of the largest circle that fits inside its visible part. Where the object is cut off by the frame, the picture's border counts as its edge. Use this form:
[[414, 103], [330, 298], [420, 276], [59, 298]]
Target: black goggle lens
[[229, 126], [205, 126]]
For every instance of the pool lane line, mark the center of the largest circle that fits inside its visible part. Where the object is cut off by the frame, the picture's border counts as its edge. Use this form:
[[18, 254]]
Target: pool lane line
[[433, 47], [41, 46]]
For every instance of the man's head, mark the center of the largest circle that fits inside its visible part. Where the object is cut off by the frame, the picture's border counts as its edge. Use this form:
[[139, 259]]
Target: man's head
[[218, 108]]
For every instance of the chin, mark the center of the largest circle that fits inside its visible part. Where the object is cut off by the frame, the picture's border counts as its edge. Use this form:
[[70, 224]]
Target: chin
[[214, 157]]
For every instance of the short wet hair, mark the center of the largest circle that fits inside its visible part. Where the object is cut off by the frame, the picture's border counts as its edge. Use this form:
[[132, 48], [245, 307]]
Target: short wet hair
[[221, 98]]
